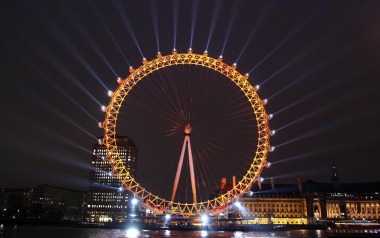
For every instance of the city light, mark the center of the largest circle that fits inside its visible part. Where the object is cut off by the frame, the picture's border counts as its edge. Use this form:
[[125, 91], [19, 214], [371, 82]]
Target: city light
[[167, 216], [204, 219], [134, 201], [237, 204]]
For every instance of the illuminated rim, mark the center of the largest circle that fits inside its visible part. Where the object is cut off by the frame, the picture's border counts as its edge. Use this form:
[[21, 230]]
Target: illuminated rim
[[151, 201]]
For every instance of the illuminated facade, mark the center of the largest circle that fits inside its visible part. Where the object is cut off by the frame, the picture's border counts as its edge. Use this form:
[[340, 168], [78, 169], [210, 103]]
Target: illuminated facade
[[349, 201], [283, 205], [107, 201], [308, 203]]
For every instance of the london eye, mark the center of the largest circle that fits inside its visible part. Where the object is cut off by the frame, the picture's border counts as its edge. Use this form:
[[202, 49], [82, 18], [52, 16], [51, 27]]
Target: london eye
[[257, 162]]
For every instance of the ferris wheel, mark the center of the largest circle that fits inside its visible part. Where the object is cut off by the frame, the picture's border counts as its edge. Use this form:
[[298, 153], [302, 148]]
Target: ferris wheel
[[257, 163]]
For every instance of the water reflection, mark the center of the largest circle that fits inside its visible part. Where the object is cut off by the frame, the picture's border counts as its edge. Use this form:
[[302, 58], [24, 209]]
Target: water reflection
[[133, 233]]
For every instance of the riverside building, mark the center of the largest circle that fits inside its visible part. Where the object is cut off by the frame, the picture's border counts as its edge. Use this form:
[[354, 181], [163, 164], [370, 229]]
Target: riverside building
[[107, 200]]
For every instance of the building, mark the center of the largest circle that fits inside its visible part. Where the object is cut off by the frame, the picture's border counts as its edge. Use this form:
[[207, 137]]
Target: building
[[353, 201], [56, 203], [307, 203], [107, 200], [14, 203], [284, 204]]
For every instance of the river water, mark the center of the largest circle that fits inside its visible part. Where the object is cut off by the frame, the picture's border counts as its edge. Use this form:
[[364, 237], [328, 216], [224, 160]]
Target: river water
[[63, 232]]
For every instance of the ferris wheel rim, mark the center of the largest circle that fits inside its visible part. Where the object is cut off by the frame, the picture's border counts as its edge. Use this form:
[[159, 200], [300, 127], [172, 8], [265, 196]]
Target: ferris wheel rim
[[203, 60]]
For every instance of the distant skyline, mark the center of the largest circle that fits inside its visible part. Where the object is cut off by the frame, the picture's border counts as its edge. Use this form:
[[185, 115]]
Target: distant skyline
[[317, 63]]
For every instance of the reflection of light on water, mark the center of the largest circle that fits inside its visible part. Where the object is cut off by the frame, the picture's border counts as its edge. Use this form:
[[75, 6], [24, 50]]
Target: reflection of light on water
[[167, 233], [204, 233], [239, 234], [132, 232], [319, 233]]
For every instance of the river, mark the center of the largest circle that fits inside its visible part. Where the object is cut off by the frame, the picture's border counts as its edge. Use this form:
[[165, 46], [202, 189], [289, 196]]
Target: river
[[63, 232]]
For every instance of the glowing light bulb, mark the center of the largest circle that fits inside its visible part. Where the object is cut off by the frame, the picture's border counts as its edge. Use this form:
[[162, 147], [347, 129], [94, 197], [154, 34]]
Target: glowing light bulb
[[205, 52], [246, 74], [110, 93], [270, 116], [261, 179], [272, 132], [167, 216], [257, 87], [272, 148], [100, 125], [265, 101], [267, 165], [118, 80], [234, 64], [104, 108], [190, 50]]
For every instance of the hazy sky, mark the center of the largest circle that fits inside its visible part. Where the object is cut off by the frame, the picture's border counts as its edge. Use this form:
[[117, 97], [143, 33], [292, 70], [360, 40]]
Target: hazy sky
[[316, 61]]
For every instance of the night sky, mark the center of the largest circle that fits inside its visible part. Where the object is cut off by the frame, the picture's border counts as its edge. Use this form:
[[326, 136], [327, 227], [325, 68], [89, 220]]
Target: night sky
[[316, 61]]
